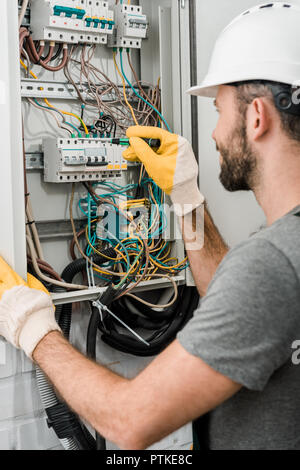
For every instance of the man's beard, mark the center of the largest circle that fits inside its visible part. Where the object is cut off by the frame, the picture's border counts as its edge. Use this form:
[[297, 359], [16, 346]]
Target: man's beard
[[238, 169]]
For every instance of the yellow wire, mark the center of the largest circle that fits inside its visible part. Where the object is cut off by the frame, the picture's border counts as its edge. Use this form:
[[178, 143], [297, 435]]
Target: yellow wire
[[51, 106], [99, 252], [124, 90], [117, 251], [25, 67], [165, 255], [160, 247], [69, 114], [170, 268]]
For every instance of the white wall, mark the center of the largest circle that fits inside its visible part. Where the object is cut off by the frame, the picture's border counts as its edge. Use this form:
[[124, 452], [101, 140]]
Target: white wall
[[236, 214]]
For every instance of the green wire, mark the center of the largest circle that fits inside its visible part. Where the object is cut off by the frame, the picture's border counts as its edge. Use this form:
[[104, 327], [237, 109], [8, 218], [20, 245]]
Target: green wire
[[139, 96]]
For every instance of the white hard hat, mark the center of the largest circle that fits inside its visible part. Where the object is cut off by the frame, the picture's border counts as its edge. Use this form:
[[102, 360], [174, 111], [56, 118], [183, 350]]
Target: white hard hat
[[263, 43]]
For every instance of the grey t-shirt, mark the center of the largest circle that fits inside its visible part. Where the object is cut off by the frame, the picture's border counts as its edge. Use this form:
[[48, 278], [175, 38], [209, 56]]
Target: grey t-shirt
[[244, 328]]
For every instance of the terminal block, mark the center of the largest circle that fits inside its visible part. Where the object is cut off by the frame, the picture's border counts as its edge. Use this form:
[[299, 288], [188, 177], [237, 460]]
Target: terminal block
[[131, 27], [72, 21], [75, 160]]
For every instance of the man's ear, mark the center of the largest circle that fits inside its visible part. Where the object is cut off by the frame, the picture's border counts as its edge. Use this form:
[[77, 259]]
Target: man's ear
[[259, 118]]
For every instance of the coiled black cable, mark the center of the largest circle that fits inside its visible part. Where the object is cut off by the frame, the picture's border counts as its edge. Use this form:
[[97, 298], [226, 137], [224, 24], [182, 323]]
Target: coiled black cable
[[163, 332]]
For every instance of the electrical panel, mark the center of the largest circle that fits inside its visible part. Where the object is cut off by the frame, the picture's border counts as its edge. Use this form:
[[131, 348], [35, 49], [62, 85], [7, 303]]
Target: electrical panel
[[131, 27], [75, 160], [71, 21]]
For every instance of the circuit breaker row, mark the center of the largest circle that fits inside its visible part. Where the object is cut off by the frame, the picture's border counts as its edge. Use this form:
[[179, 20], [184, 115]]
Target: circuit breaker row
[[71, 160], [88, 21], [71, 21]]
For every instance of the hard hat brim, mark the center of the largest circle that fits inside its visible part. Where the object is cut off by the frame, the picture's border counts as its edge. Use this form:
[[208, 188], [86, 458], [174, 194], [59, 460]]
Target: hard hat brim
[[209, 87], [206, 91]]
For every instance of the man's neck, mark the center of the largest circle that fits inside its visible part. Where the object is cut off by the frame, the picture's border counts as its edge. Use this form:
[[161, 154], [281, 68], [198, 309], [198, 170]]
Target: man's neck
[[279, 191]]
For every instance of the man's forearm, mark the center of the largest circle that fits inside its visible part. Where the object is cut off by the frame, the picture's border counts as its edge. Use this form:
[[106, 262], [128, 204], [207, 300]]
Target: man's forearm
[[92, 391], [205, 246]]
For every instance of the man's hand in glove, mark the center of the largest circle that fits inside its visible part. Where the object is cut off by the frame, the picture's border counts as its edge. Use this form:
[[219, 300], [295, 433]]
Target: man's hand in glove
[[173, 166], [26, 310]]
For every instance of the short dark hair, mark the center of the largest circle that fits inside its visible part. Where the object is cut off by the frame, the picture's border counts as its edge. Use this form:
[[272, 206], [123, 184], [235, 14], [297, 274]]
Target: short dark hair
[[248, 91]]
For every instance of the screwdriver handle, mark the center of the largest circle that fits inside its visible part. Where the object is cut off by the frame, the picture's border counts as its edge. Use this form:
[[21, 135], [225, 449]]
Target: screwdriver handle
[[153, 143]]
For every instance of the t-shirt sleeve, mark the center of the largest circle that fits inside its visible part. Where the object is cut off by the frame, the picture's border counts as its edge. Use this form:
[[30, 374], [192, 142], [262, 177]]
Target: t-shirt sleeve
[[245, 325]]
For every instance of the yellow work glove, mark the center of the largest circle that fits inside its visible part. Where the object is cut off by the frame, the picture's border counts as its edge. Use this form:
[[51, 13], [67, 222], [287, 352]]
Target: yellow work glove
[[173, 166], [26, 310]]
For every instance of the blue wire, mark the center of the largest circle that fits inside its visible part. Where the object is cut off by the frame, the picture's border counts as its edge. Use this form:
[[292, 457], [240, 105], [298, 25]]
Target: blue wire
[[139, 96], [101, 277]]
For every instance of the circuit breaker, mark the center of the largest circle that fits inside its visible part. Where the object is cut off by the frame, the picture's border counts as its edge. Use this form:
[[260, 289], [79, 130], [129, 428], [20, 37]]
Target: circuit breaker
[[131, 27], [71, 21], [75, 160]]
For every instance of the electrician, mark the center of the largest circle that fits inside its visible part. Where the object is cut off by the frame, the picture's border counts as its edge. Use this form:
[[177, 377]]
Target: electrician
[[234, 358]]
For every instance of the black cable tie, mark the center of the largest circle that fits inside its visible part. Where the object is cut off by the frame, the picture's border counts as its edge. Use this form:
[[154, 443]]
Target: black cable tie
[[30, 223], [27, 195]]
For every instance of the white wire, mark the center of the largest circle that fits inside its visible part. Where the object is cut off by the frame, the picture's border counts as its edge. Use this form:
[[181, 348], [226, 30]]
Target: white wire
[[30, 220], [46, 278], [23, 11], [149, 304]]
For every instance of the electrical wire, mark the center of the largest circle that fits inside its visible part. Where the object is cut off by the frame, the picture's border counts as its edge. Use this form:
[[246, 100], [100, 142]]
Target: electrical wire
[[140, 97], [37, 105], [149, 304], [49, 56], [31, 223], [46, 278], [103, 93], [99, 199], [26, 68], [37, 59], [57, 54], [52, 108], [66, 113], [61, 113], [138, 81], [124, 90], [23, 11]]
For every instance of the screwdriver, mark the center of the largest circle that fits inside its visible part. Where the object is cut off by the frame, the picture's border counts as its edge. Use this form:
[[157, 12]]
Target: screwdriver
[[153, 143]]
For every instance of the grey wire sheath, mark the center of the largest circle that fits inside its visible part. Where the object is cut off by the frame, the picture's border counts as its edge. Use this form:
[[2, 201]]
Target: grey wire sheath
[[49, 399]]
